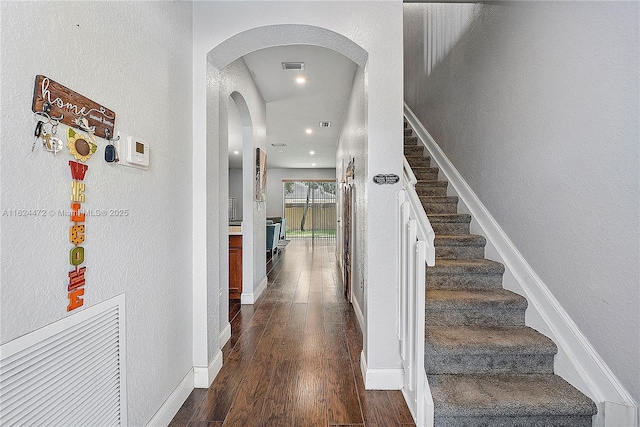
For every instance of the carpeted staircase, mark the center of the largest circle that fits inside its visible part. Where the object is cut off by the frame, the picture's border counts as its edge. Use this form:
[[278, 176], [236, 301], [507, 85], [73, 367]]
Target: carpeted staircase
[[485, 367]]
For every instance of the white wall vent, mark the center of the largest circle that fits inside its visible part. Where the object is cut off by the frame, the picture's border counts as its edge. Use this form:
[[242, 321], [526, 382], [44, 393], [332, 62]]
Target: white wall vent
[[68, 373], [293, 65]]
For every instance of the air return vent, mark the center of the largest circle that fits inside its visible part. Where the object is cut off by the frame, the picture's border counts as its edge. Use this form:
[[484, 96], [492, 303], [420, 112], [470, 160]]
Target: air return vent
[[69, 373], [279, 144], [325, 124], [293, 66]]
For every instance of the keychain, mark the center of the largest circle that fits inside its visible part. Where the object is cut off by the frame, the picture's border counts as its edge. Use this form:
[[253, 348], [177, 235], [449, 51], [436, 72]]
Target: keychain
[[110, 151], [50, 142]]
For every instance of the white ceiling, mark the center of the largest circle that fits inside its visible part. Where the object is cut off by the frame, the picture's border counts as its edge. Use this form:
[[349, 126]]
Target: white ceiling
[[292, 108]]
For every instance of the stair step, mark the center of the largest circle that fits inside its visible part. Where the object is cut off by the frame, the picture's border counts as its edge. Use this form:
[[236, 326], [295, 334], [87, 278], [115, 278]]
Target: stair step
[[462, 246], [429, 183], [450, 223], [465, 274], [410, 140], [440, 204], [431, 187], [433, 190], [414, 150], [477, 307], [487, 350], [419, 161], [525, 400], [425, 173], [407, 131]]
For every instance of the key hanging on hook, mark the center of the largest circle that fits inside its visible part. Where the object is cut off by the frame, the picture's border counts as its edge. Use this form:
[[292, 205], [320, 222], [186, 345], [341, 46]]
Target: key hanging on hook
[[37, 133], [110, 151]]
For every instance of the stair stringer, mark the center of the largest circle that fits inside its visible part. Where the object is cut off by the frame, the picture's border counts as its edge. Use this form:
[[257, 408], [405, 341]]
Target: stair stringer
[[577, 362]]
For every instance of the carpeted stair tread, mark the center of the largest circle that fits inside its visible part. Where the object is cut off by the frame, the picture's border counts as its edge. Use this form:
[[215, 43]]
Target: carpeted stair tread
[[461, 246], [487, 340], [441, 218], [459, 240], [487, 350], [451, 299], [418, 162], [507, 395], [415, 156], [439, 199], [465, 274], [424, 170], [462, 266], [474, 307], [431, 183]]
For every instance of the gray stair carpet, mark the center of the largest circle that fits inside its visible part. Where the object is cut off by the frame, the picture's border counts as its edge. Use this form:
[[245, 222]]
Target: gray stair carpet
[[485, 367]]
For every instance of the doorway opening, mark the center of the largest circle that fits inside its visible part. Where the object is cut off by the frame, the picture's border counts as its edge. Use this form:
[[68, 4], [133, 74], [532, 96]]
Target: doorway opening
[[310, 210]]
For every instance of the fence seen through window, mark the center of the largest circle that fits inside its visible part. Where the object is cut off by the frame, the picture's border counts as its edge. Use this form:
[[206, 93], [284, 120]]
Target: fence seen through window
[[310, 209]]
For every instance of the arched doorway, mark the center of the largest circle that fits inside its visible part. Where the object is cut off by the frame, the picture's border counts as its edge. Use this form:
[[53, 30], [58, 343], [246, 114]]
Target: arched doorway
[[214, 212]]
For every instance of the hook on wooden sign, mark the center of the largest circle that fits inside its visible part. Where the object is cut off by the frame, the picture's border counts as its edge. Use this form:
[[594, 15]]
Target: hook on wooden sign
[[73, 109]]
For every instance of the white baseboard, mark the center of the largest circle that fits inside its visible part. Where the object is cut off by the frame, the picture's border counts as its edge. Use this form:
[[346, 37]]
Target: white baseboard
[[225, 335], [577, 361], [381, 379], [172, 405], [252, 297], [376, 379], [358, 311], [204, 376]]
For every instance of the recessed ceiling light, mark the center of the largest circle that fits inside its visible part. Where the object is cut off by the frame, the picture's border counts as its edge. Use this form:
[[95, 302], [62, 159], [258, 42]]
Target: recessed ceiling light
[[313, 164], [312, 152], [300, 80], [236, 152], [309, 131]]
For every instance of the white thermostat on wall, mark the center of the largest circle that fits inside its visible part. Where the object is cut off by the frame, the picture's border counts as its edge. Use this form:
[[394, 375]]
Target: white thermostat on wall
[[136, 153]]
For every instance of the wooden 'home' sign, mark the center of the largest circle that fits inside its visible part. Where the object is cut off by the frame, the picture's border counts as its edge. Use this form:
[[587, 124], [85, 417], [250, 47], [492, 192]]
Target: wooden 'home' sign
[[71, 105]]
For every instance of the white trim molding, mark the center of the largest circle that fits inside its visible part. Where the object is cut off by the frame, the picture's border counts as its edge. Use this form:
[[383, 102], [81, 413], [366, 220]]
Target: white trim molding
[[225, 335], [172, 405], [252, 297], [381, 379], [577, 361], [203, 376], [358, 311]]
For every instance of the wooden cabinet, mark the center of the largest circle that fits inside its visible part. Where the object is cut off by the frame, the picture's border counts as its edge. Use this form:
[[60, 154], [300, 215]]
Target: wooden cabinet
[[235, 266]]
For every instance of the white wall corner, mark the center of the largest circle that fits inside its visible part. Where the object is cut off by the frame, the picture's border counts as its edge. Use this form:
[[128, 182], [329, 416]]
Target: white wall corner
[[225, 335], [577, 361], [171, 406], [381, 379], [204, 376], [252, 297]]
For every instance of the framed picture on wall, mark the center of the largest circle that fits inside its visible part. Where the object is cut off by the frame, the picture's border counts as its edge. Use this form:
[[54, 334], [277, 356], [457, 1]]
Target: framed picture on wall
[[261, 175]]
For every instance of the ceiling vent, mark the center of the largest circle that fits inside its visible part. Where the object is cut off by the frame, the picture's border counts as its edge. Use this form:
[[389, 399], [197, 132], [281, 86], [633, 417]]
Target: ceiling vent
[[325, 124], [279, 144], [293, 66]]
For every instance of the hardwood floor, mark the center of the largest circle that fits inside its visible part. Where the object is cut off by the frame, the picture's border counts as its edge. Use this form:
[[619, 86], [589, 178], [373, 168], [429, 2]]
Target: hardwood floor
[[294, 357]]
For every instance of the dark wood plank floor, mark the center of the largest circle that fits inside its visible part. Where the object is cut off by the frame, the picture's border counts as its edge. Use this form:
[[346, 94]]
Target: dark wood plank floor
[[294, 357]]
